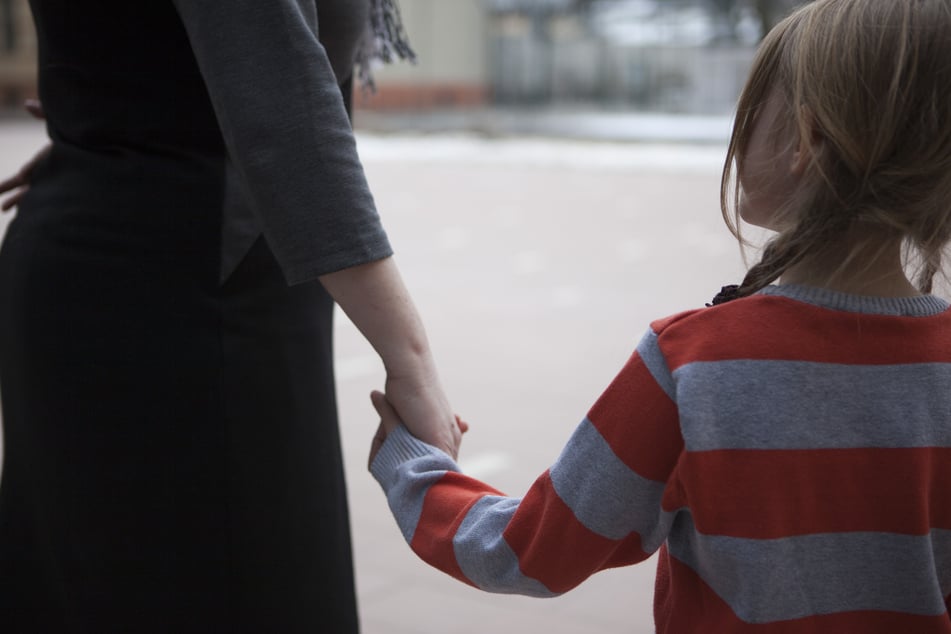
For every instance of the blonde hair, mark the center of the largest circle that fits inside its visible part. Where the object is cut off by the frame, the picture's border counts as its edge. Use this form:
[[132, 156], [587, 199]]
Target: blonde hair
[[868, 82]]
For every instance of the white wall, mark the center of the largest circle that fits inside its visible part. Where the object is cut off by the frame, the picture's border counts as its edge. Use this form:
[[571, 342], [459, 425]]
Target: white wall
[[449, 37]]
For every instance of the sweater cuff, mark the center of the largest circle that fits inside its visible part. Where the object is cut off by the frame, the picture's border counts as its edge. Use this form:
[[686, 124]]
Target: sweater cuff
[[399, 447]]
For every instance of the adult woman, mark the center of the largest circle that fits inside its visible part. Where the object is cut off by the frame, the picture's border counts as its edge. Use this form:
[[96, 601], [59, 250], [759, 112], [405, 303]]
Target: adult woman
[[172, 460]]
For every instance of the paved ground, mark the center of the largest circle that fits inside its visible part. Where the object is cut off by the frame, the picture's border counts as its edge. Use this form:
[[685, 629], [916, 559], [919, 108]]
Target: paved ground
[[537, 264], [581, 122]]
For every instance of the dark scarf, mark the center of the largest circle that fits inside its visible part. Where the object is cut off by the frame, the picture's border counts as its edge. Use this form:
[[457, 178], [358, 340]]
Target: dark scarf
[[385, 40]]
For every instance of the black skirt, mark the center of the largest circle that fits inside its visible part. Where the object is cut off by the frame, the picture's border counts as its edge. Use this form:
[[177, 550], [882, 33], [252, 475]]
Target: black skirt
[[172, 458]]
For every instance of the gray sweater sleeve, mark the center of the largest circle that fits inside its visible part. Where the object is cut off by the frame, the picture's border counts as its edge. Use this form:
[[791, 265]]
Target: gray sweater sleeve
[[286, 130]]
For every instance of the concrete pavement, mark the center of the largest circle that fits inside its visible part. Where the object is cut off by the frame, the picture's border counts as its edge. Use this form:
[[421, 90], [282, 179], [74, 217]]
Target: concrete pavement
[[564, 122]]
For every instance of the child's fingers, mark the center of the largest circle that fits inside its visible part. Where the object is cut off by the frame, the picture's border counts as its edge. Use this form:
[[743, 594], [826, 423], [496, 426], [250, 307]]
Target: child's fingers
[[376, 444], [388, 418], [463, 425]]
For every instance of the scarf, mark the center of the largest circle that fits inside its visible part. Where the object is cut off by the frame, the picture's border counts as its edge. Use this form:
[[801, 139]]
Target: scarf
[[385, 40]]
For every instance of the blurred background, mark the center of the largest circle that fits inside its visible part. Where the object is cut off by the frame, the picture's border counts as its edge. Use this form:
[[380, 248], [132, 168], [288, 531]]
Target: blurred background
[[684, 56], [548, 172], [687, 56]]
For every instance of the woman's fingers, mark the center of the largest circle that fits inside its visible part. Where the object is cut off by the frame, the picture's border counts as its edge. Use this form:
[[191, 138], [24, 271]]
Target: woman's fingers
[[35, 108], [16, 184], [13, 182], [19, 182], [13, 200]]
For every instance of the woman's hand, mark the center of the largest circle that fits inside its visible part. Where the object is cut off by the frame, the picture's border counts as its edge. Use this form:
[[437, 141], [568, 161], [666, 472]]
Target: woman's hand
[[390, 420], [374, 297], [422, 406], [19, 183]]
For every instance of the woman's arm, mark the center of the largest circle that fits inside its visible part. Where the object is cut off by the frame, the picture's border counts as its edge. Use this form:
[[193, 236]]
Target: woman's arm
[[283, 121], [288, 136], [375, 299]]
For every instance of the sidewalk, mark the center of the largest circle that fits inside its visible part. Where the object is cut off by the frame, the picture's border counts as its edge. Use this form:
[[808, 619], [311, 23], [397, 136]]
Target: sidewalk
[[555, 123]]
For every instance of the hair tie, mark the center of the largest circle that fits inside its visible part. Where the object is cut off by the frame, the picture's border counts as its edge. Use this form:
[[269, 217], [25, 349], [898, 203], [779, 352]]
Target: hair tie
[[726, 294]]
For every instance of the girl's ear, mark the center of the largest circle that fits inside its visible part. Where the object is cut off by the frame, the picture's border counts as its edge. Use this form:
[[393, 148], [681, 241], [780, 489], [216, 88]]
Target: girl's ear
[[810, 140], [800, 159]]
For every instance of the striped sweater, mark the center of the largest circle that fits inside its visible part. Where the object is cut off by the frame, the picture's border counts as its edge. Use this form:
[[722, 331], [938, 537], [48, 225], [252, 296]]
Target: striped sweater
[[789, 454]]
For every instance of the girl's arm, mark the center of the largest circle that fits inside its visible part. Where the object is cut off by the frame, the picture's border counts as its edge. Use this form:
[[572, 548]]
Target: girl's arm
[[601, 505]]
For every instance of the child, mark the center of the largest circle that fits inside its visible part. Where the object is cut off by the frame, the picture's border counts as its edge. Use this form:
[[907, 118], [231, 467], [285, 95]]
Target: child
[[787, 450]]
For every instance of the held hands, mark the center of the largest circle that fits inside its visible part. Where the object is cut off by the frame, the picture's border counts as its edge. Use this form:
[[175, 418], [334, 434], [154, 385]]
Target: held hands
[[19, 183], [390, 420]]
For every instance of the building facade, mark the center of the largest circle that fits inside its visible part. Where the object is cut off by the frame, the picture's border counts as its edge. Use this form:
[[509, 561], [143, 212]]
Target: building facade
[[673, 57], [449, 37], [17, 52]]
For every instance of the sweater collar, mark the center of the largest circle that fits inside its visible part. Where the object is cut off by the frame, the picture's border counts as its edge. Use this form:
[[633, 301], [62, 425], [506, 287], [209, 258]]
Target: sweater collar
[[921, 306]]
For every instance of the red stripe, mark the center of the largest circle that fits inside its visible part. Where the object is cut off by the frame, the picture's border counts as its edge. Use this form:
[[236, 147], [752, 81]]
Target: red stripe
[[765, 327], [690, 605], [554, 548], [444, 509], [772, 494], [635, 407], [660, 325]]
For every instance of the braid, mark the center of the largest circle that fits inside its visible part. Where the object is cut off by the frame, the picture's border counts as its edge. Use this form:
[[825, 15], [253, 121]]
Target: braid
[[813, 233], [926, 276], [930, 241], [778, 255]]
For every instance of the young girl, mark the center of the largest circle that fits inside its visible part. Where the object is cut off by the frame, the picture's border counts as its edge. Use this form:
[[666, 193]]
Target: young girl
[[788, 449]]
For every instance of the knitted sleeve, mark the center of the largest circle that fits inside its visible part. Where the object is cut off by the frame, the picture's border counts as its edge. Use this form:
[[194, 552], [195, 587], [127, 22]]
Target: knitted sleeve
[[600, 505]]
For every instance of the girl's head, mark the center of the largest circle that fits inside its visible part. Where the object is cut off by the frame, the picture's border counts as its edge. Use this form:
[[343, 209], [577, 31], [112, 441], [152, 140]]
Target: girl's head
[[842, 138]]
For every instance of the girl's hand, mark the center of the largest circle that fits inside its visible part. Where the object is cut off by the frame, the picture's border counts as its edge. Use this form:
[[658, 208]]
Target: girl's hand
[[19, 183], [390, 420]]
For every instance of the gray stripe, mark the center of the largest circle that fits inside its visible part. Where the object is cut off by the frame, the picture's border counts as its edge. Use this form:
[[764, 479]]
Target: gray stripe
[[649, 351], [406, 497], [942, 552], [795, 577], [483, 554], [749, 404], [604, 494]]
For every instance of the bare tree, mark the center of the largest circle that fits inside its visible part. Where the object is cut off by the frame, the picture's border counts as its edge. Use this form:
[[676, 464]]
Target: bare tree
[[583, 6], [767, 12]]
